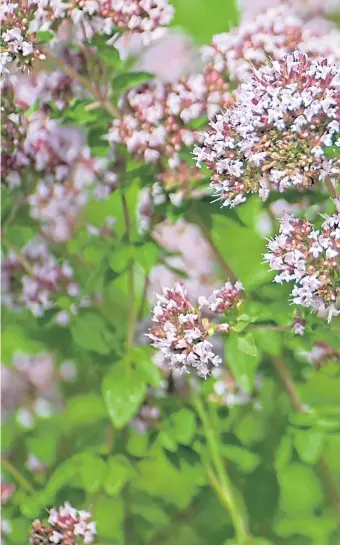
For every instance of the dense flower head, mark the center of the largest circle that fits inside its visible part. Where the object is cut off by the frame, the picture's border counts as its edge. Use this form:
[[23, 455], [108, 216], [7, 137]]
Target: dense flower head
[[31, 279], [156, 124], [274, 136], [224, 299], [66, 526], [310, 258], [181, 334], [271, 36]]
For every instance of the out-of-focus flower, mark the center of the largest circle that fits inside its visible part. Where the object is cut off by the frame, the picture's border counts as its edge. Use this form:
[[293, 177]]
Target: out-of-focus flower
[[322, 354], [306, 8], [147, 417], [181, 334], [66, 526], [226, 390], [34, 465], [271, 36], [299, 325], [309, 258], [185, 242], [274, 136], [223, 299], [7, 491], [30, 388], [33, 278]]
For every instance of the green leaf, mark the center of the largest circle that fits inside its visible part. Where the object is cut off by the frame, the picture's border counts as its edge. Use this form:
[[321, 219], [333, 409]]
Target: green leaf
[[184, 422], [284, 453], [84, 409], [109, 518], [125, 81], [301, 491], [142, 357], [147, 256], [92, 472], [246, 459], [309, 445], [123, 391], [243, 366], [110, 55], [44, 36], [247, 344], [268, 341], [119, 472], [89, 332]]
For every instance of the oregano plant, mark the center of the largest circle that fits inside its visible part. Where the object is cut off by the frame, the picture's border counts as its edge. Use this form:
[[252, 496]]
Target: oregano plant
[[170, 272]]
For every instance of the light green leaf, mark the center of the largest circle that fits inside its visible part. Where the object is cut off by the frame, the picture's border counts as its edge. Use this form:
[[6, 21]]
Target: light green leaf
[[301, 491], [309, 445], [142, 357], [123, 391], [89, 332], [92, 473], [243, 366], [184, 422], [119, 472], [247, 344]]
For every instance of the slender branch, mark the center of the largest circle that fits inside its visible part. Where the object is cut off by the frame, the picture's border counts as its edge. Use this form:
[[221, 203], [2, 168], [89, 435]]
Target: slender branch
[[131, 280], [322, 465], [225, 485], [8, 466], [218, 256], [22, 260], [107, 105]]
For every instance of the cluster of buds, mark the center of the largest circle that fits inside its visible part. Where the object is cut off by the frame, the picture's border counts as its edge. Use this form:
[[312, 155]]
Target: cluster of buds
[[18, 43], [271, 36], [275, 134], [181, 334], [32, 278], [66, 526], [309, 258], [30, 387], [224, 299]]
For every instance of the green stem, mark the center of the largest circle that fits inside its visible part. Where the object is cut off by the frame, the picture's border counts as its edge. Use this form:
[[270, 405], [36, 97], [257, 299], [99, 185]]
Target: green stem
[[107, 105], [225, 485], [8, 466], [333, 192]]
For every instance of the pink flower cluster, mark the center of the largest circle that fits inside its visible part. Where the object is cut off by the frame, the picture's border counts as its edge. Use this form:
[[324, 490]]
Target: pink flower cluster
[[275, 134], [66, 526], [271, 36], [33, 278], [21, 23], [310, 258], [181, 334]]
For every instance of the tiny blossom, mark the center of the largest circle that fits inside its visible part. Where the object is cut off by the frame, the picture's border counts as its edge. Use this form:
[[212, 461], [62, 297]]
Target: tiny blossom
[[299, 325], [181, 334], [273, 137], [223, 299], [310, 258], [65, 526], [33, 278], [34, 465]]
